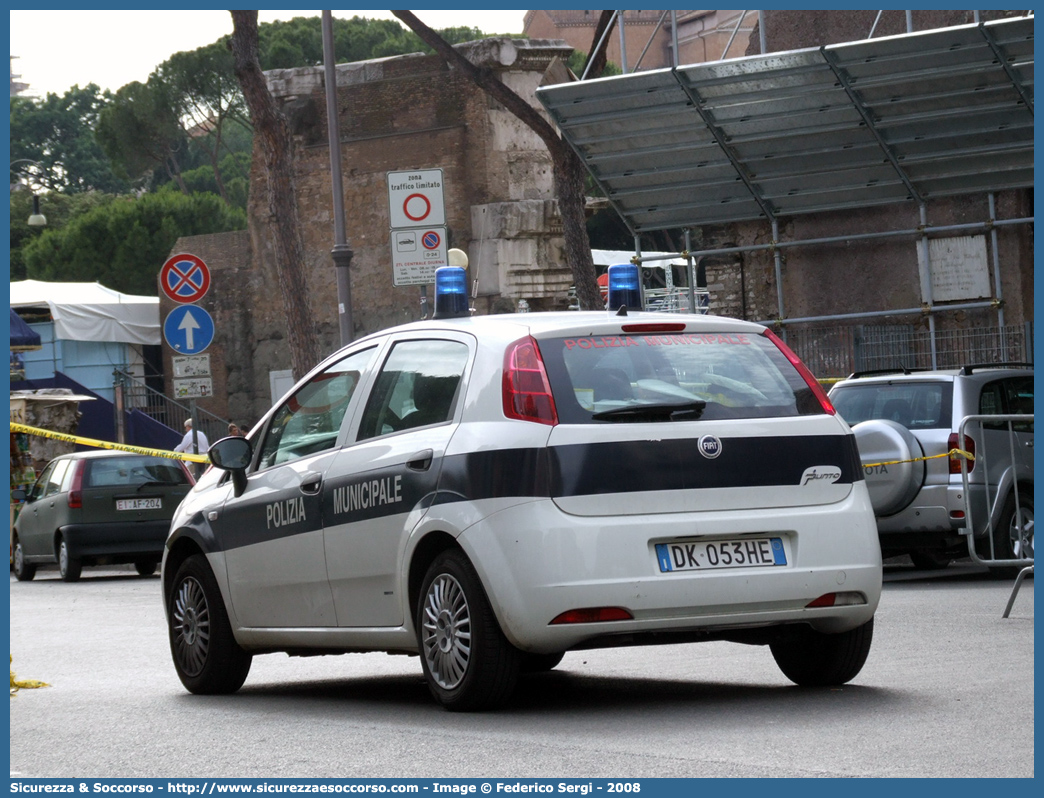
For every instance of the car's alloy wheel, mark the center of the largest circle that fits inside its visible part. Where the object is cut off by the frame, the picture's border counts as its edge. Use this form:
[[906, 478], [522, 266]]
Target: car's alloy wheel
[[446, 632], [1020, 531], [23, 571], [468, 662], [205, 653], [190, 627], [69, 567]]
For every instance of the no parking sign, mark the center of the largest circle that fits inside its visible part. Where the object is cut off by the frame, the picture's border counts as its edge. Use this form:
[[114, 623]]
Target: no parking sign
[[185, 278]]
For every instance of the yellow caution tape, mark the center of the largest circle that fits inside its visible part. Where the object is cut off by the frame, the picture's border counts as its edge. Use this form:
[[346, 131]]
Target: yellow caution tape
[[19, 684], [123, 447], [951, 453]]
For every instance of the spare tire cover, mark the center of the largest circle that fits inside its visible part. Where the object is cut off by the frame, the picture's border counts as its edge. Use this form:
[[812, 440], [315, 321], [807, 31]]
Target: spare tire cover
[[885, 449]]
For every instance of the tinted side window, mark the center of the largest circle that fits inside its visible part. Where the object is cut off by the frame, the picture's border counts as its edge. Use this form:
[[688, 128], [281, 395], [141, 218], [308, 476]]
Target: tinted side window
[[417, 386], [54, 481], [41, 482], [1009, 396], [308, 422]]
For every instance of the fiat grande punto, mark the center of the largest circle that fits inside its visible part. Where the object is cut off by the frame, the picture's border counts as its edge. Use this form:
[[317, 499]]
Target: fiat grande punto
[[491, 492]]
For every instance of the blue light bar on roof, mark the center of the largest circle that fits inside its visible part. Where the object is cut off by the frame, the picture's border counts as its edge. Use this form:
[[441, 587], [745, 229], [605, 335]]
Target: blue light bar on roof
[[451, 292], [625, 286]]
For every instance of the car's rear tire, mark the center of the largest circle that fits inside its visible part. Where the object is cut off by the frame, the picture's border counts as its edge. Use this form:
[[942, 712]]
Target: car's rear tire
[[467, 661], [813, 659], [69, 567], [205, 653], [145, 567], [23, 571], [539, 663], [930, 559]]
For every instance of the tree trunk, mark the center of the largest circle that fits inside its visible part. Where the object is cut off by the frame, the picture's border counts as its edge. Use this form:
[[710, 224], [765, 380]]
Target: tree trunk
[[273, 137], [568, 170], [569, 176]]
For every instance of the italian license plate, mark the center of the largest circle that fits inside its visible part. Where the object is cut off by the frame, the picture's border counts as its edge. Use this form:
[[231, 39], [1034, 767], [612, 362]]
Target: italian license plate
[[139, 504], [698, 555]]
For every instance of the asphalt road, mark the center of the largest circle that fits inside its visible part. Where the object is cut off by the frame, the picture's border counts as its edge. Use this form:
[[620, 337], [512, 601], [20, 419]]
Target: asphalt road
[[947, 692]]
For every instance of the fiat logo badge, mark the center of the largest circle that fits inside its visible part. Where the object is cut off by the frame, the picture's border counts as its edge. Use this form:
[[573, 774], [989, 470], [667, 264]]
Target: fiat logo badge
[[709, 446]]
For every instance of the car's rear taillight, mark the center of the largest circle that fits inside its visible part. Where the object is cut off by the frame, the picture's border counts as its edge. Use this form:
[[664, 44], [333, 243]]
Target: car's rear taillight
[[527, 392], [802, 369], [955, 459], [75, 499]]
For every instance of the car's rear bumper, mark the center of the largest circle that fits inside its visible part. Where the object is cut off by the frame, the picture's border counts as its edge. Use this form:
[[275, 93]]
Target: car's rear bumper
[[537, 562], [116, 542], [937, 509]]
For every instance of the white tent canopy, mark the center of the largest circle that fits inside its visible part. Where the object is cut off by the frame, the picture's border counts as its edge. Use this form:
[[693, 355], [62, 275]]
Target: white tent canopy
[[92, 312], [611, 257]]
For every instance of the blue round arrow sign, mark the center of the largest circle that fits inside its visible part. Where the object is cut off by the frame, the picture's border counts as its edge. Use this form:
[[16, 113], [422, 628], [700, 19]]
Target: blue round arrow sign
[[188, 329]]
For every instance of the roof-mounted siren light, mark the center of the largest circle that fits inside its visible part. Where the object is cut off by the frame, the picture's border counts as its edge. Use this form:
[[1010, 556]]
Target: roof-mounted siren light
[[625, 288], [451, 293]]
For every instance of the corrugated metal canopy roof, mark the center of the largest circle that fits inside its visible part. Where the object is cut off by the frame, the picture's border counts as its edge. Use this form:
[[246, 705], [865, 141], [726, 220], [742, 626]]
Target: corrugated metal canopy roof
[[879, 121]]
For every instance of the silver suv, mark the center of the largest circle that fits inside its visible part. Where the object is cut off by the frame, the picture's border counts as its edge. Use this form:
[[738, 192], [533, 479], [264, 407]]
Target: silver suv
[[906, 422]]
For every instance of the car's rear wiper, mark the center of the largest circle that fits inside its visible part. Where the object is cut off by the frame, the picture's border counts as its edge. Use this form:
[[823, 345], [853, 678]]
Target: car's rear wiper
[[656, 412], [153, 482]]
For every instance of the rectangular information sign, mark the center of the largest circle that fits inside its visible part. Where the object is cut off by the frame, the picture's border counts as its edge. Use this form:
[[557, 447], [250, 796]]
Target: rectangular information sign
[[193, 388]]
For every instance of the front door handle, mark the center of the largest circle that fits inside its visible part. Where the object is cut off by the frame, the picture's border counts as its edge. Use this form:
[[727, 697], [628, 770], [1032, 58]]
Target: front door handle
[[421, 461], [311, 483]]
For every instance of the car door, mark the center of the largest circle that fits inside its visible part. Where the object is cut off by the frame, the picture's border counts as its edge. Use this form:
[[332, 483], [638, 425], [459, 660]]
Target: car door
[[272, 533], [382, 482], [39, 518], [1007, 444]]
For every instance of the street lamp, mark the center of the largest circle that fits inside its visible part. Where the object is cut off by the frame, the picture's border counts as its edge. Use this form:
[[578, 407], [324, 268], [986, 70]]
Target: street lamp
[[36, 219]]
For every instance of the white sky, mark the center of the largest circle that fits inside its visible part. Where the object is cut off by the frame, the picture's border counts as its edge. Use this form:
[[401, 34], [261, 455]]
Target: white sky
[[60, 49]]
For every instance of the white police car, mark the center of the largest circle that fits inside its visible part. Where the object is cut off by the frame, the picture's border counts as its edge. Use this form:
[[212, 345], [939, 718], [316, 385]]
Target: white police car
[[491, 492]]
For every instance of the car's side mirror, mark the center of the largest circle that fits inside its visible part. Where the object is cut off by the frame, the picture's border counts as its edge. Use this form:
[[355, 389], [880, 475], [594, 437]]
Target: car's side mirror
[[19, 495], [233, 454]]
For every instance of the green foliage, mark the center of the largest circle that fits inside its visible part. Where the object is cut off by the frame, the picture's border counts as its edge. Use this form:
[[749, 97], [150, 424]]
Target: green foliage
[[58, 133], [139, 130], [299, 42], [579, 58], [124, 242]]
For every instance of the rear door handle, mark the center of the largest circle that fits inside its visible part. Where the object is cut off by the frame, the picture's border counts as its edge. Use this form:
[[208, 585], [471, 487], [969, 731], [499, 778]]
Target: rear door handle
[[311, 482], [421, 461]]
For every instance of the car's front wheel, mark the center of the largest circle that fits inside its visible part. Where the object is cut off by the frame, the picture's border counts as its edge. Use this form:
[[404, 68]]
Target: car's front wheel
[[69, 567], [145, 567], [23, 571], [205, 653], [814, 659], [468, 663]]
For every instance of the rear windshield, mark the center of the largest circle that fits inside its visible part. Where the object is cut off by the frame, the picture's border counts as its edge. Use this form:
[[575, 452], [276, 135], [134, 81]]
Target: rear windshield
[[601, 378], [915, 405], [112, 472]]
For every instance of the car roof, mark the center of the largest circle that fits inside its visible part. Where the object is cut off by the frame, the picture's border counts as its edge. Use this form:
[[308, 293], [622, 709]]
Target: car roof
[[981, 373], [567, 322]]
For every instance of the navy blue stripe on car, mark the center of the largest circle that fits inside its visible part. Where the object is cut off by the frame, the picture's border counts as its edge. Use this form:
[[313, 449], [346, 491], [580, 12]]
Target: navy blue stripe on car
[[632, 466], [556, 471]]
